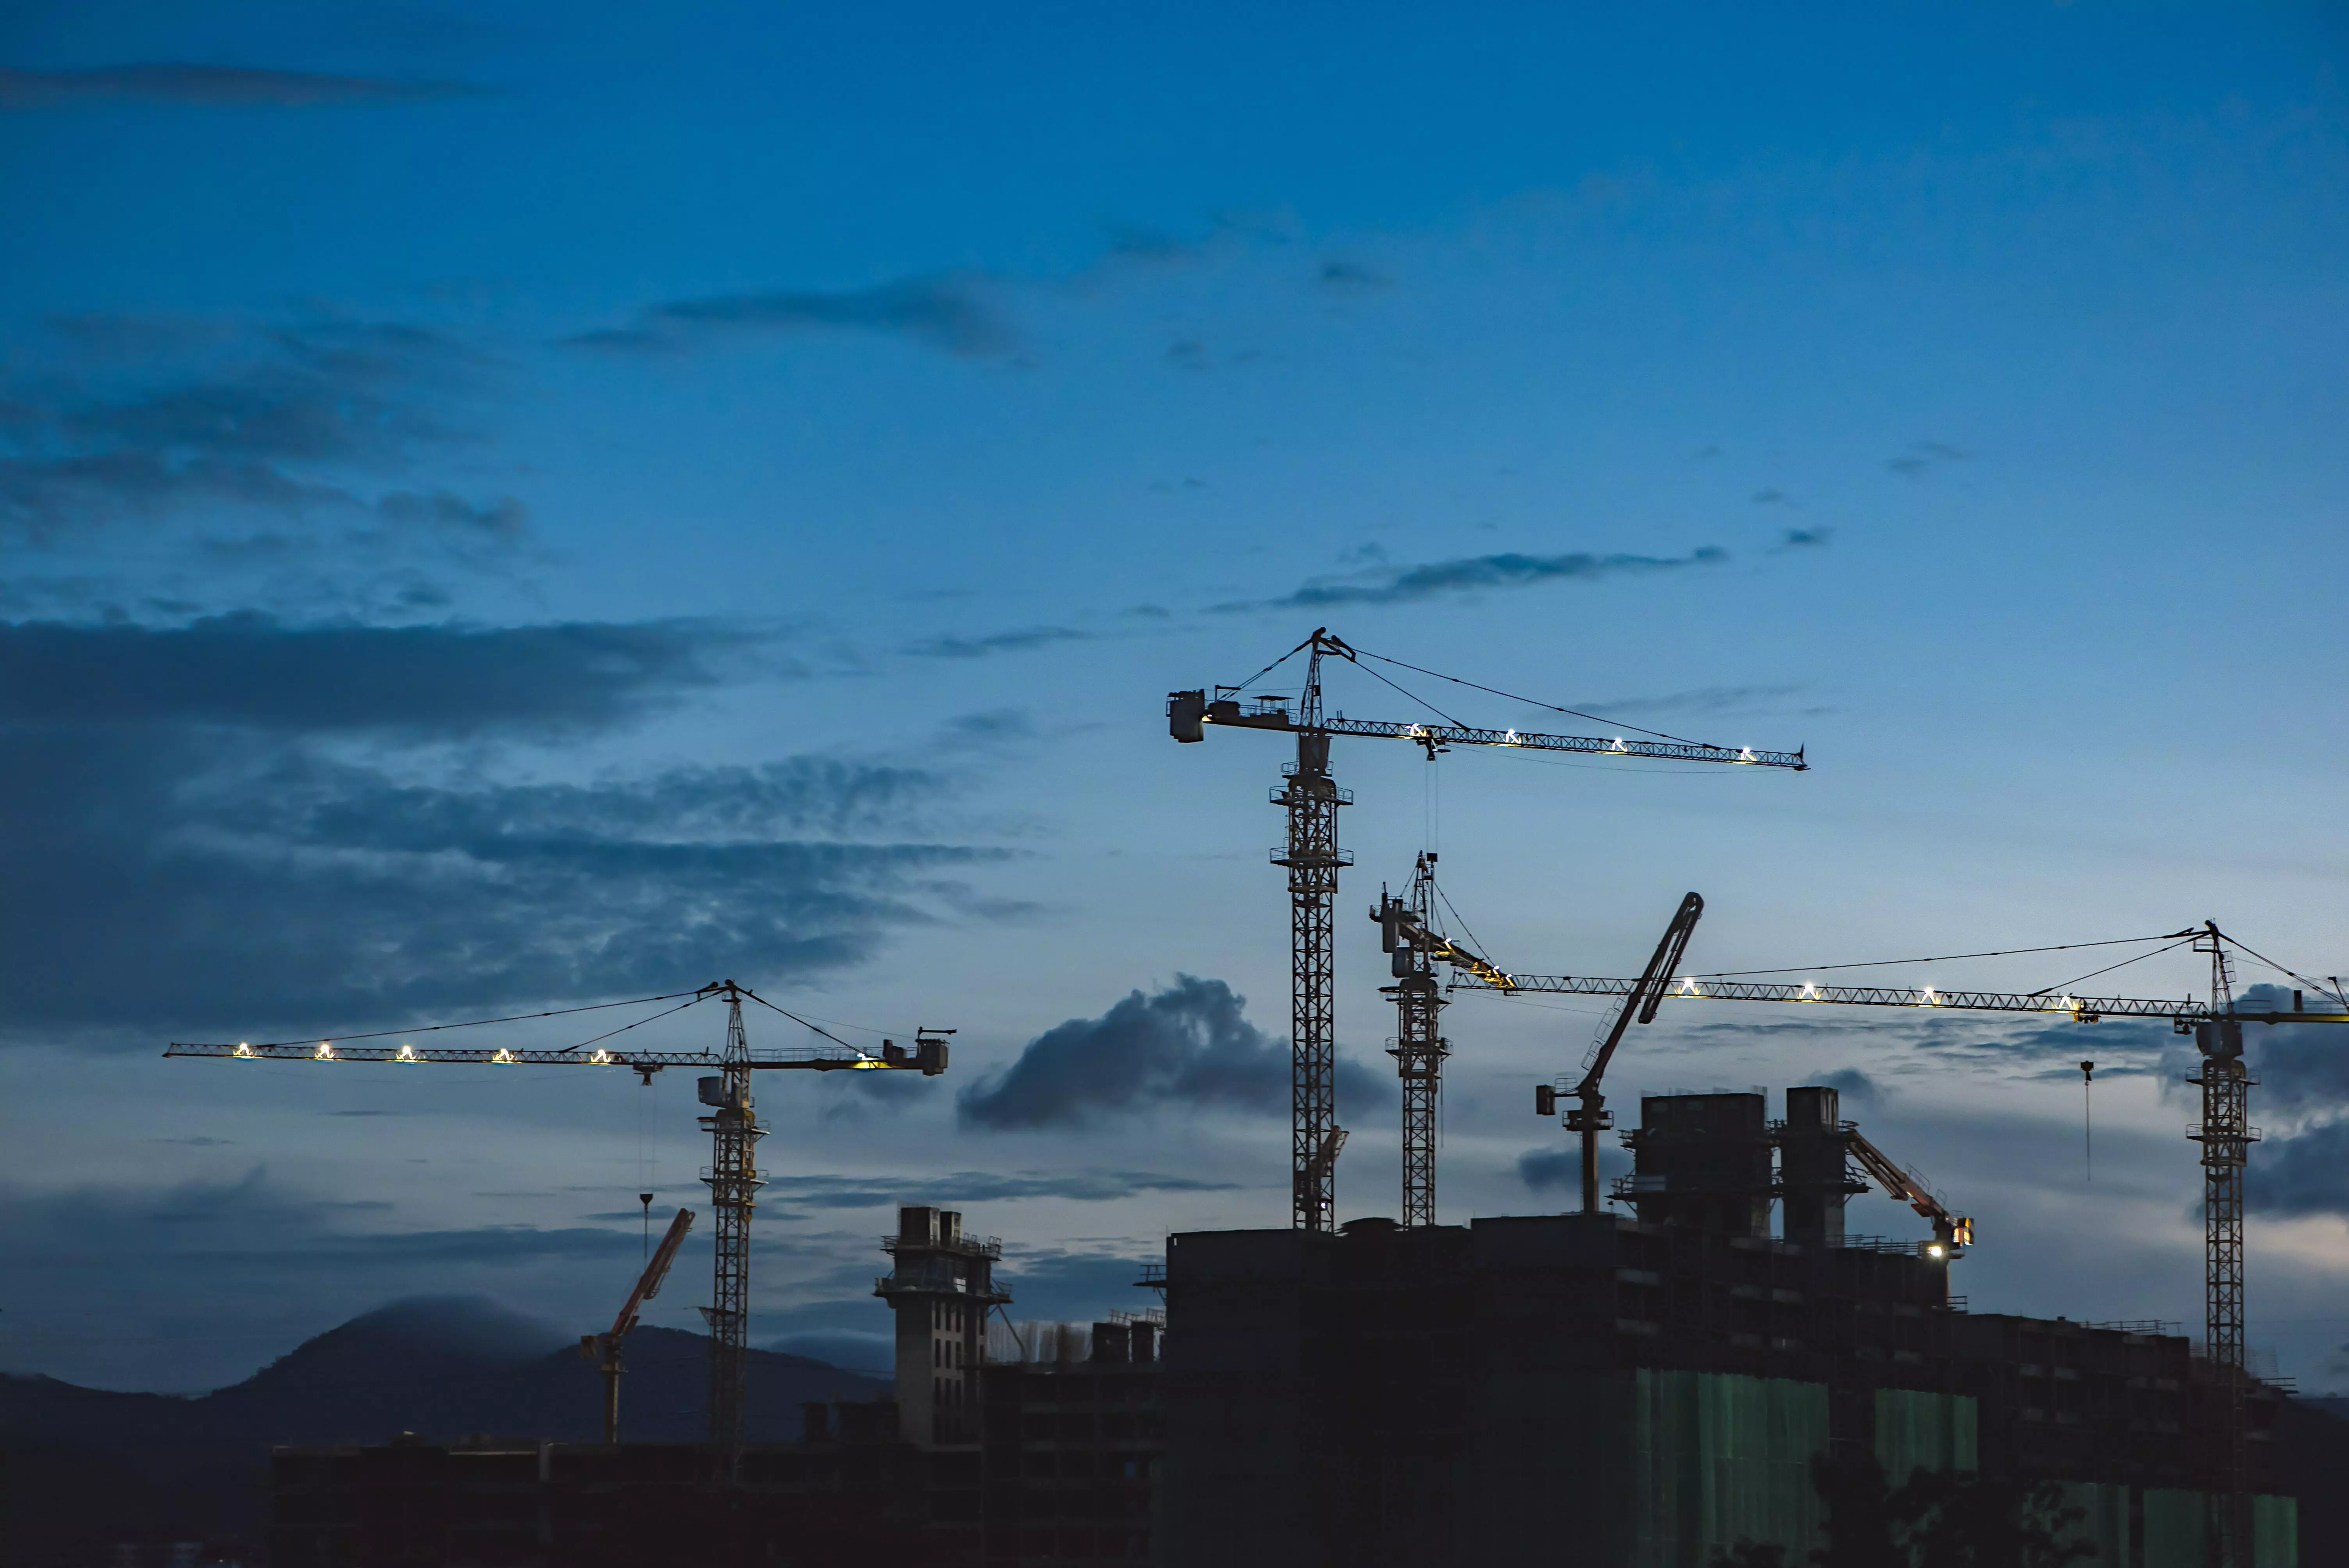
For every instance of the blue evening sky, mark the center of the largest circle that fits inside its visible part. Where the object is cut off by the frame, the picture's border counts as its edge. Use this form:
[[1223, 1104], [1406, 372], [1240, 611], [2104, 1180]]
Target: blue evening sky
[[506, 506]]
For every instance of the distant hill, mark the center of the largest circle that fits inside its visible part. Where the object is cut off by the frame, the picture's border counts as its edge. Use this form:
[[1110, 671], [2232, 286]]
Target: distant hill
[[85, 1465]]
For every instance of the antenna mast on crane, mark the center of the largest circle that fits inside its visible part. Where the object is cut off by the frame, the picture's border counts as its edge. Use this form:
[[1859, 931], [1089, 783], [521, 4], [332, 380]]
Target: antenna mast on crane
[[1313, 860]]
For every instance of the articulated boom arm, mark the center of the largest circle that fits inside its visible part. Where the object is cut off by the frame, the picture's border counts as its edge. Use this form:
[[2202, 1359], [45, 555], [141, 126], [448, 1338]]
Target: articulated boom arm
[[1950, 1230], [1641, 998], [656, 1272]]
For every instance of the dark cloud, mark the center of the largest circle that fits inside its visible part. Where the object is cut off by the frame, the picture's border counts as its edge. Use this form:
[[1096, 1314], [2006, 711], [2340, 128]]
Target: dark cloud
[[1547, 1170], [212, 85], [164, 421], [953, 313], [1852, 1086], [1923, 458], [251, 670], [980, 647], [184, 852], [1189, 1045], [1348, 277], [1772, 496], [2307, 1174], [1806, 538], [1468, 574], [1189, 354], [2302, 1068]]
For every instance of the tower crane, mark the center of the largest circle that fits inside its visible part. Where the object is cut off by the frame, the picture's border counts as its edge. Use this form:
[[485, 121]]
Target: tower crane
[[1590, 1116], [1313, 859], [1407, 932], [733, 1126], [2225, 1132], [603, 1349]]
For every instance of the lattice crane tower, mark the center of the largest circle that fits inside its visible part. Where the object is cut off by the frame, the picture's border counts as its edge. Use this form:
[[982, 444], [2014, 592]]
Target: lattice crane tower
[[1313, 859]]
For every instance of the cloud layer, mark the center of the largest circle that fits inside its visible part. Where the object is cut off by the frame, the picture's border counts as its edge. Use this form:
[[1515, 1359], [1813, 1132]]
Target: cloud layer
[[306, 422], [953, 313], [1473, 573], [189, 847], [212, 85]]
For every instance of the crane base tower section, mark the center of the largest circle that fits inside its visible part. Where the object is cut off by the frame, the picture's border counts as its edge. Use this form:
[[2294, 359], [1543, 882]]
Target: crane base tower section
[[1649, 1395]]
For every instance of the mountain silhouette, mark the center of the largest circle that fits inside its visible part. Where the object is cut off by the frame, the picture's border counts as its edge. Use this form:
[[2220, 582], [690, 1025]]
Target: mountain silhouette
[[87, 1466]]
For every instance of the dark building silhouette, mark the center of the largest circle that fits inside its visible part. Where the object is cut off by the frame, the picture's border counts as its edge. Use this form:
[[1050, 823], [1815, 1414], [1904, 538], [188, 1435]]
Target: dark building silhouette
[[1642, 1391], [1650, 1390], [1052, 1457]]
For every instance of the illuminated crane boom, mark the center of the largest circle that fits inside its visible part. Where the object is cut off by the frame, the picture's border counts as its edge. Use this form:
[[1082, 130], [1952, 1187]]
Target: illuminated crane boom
[[1313, 860], [2184, 1013], [733, 1126]]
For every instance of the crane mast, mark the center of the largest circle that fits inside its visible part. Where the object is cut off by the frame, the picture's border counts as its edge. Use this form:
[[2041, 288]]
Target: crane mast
[[1312, 857], [733, 1181], [1420, 1048], [2226, 1136]]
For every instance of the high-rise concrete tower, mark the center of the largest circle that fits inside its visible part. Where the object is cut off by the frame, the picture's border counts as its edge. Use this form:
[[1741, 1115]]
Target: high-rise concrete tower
[[942, 1290]]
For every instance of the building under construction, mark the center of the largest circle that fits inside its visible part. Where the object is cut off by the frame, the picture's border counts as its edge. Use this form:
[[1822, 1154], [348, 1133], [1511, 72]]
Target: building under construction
[[1658, 1391], [1663, 1390]]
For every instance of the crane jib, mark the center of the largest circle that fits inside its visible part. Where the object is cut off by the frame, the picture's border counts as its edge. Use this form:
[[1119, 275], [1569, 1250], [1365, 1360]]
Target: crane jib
[[1700, 990], [1229, 713]]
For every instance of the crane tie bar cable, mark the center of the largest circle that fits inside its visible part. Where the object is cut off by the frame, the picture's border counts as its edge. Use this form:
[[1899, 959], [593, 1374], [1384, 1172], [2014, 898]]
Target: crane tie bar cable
[[1944, 958], [477, 1023], [1532, 702], [802, 1023], [693, 1001]]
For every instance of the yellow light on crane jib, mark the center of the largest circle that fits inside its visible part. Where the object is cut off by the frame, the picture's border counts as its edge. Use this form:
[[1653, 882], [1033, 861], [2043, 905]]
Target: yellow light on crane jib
[[407, 1054], [601, 1059], [242, 1050], [503, 1056], [324, 1053]]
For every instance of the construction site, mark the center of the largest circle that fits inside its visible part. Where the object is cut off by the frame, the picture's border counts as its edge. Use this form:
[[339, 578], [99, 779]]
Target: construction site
[[1705, 1362]]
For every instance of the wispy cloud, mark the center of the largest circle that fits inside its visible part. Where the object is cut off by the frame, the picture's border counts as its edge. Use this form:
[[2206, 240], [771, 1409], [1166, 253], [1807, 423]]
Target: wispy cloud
[[1697, 699], [982, 646], [1352, 277], [1923, 457], [1473, 573], [980, 1186], [955, 313], [157, 421], [224, 87]]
